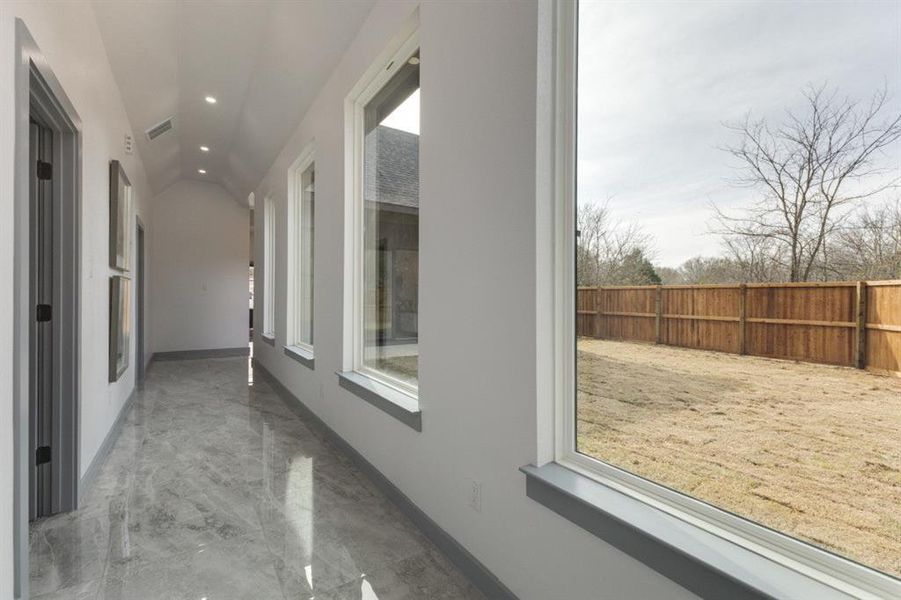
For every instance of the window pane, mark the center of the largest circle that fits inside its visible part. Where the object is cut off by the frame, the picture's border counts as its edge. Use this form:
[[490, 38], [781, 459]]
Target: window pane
[[391, 237], [304, 298], [736, 163], [269, 267]]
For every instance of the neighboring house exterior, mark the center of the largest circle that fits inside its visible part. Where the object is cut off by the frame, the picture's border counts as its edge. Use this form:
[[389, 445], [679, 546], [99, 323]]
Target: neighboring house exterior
[[391, 194]]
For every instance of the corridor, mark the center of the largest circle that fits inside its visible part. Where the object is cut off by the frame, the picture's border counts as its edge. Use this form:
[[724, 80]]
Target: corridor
[[216, 488], [446, 300]]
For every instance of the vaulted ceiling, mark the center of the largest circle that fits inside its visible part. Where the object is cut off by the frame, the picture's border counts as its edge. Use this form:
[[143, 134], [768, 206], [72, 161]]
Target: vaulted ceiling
[[262, 61]]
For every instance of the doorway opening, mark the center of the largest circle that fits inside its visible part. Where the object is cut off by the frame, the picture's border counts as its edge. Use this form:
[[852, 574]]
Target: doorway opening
[[53, 298], [47, 232], [41, 333]]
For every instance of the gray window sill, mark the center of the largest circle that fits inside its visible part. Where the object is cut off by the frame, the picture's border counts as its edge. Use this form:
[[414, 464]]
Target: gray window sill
[[696, 559], [304, 357], [399, 405], [269, 339]]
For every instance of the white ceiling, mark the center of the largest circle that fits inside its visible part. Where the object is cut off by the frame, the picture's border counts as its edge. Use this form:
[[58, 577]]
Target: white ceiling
[[263, 61]]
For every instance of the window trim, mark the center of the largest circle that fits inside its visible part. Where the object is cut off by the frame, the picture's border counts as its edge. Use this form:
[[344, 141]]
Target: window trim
[[269, 251], [556, 182], [300, 355], [305, 160], [406, 43]]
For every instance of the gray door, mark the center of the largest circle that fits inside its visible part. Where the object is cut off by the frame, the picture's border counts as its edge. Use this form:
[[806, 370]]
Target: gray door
[[41, 330], [139, 325]]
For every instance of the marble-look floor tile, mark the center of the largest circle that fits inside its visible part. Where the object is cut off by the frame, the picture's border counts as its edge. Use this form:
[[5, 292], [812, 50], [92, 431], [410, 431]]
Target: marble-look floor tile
[[218, 489], [413, 578], [66, 552], [83, 591], [211, 572]]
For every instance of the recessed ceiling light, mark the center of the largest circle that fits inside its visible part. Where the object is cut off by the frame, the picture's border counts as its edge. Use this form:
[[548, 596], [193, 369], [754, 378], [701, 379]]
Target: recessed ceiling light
[[204, 148], [201, 171], [211, 100]]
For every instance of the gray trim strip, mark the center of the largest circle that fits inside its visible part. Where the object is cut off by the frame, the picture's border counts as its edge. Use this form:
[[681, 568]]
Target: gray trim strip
[[703, 563], [150, 361], [382, 397], [477, 573], [302, 356], [90, 474], [209, 353]]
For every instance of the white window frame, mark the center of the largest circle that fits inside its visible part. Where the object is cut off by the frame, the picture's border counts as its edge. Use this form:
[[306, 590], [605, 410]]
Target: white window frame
[[556, 180], [376, 77], [305, 160], [269, 267]]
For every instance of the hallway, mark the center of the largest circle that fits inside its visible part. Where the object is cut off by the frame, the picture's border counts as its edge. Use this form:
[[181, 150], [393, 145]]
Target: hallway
[[215, 488]]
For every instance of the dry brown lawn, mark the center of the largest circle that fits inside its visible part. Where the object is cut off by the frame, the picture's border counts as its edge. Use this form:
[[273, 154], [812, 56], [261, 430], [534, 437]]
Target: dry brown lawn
[[403, 368], [811, 450]]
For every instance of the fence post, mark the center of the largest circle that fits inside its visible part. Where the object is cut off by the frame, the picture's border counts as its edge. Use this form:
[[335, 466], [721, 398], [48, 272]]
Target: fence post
[[658, 311], [860, 346], [742, 318], [596, 317]]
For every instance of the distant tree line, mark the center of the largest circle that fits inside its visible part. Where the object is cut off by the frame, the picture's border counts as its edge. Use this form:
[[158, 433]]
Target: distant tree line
[[611, 253], [820, 212]]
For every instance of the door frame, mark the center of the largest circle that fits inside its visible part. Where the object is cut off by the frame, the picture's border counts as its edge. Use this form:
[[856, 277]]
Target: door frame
[[37, 89], [140, 292]]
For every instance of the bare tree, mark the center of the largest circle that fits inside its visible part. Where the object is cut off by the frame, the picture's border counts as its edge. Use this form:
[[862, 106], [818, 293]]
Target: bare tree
[[706, 270], [869, 246], [758, 259], [670, 275], [607, 249], [743, 263], [809, 170]]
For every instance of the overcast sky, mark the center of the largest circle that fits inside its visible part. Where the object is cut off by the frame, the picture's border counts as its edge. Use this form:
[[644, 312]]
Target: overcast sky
[[406, 116], [658, 79]]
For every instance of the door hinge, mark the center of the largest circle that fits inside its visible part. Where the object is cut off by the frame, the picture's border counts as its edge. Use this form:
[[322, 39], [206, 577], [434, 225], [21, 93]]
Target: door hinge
[[44, 171], [43, 312], [42, 455]]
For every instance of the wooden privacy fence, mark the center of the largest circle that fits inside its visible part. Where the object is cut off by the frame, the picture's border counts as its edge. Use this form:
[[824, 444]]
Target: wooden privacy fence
[[856, 323]]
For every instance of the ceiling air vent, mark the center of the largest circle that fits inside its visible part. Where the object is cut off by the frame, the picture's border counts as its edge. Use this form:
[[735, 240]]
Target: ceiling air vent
[[158, 130]]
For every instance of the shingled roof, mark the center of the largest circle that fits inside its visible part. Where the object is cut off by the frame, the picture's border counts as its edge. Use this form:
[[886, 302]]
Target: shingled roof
[[393, 178]]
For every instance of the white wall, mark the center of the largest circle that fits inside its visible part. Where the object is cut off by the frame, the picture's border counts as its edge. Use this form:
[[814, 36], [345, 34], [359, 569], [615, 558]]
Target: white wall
[[477, 300], [67, 35], [7, 148], [199, 287]]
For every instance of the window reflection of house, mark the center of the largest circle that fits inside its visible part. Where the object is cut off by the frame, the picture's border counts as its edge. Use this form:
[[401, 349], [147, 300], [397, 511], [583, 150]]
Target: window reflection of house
[[391, 194]]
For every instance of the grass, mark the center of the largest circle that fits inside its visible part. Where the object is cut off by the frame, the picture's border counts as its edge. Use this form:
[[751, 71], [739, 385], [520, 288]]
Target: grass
[[402, 368], [810, 450]]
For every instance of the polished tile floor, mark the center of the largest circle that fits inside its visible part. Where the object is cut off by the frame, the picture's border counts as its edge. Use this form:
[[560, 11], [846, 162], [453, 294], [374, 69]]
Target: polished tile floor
[[217, 490]]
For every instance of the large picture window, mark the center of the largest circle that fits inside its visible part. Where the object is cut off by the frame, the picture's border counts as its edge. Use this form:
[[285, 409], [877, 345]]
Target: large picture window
[[302, 192], [387, 209], [736, 270]]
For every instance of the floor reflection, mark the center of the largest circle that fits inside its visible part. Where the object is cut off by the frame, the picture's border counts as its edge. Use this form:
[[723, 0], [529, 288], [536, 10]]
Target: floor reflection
[[217, 489]]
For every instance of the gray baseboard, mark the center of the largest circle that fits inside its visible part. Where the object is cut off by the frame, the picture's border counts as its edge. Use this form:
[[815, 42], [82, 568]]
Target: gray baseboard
[[208, 353], [478, 573], [90, 475]]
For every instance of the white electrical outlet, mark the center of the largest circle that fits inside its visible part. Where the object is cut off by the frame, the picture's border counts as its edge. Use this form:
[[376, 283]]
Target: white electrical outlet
[[475, 495]]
